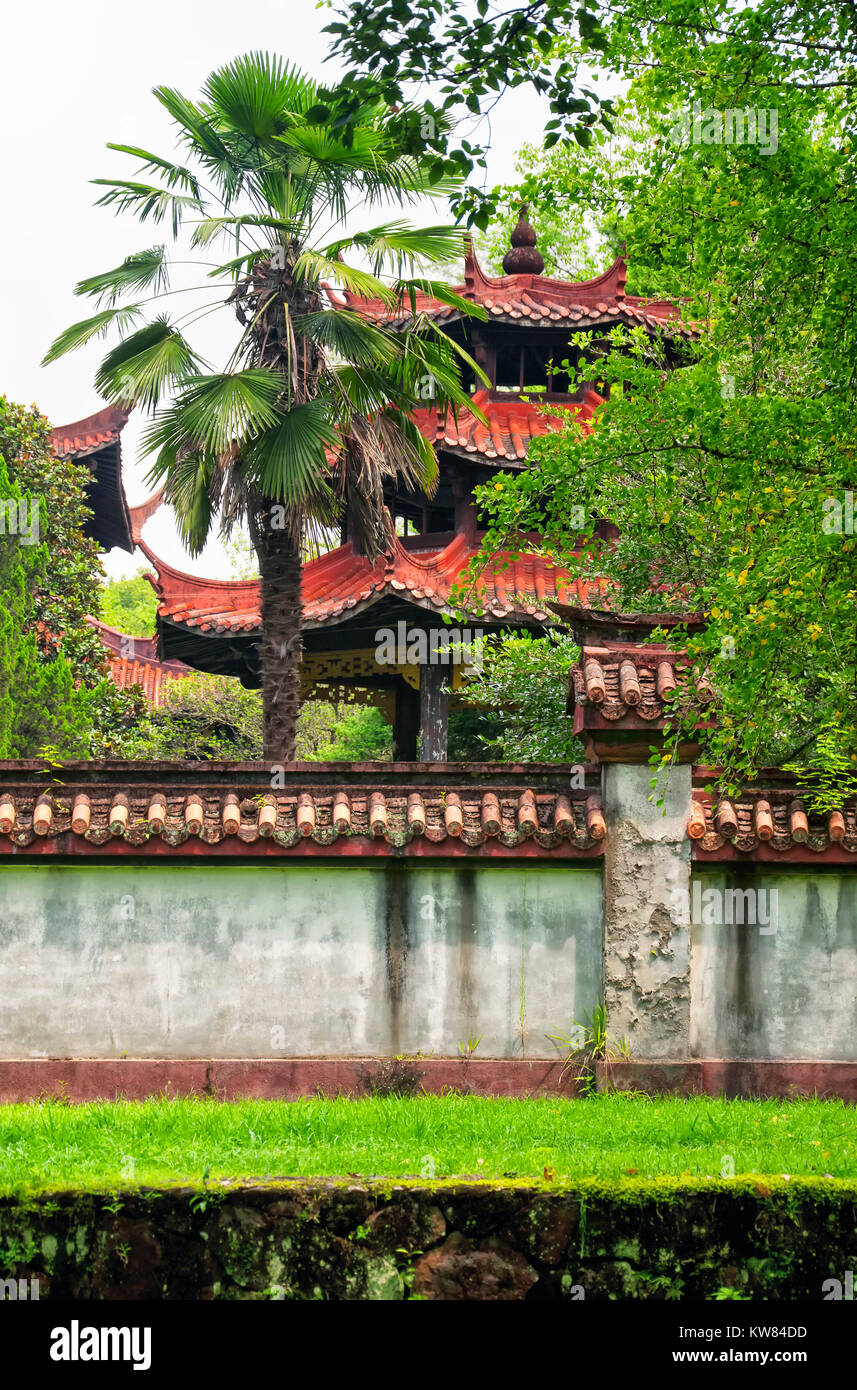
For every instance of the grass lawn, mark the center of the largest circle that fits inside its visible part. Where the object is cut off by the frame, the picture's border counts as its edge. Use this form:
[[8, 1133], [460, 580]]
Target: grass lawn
[[125, 1144]]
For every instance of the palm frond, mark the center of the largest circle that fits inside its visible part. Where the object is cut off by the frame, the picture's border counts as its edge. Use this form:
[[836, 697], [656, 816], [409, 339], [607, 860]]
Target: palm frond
[[201, 135], [146, 364], [176, 174], [253, 93], [313, 266], [406, 290], [402, 243], [212, 227], [143, 271], [145, 201], [80, 333], [348, 334], [189, 489], [289, 461], [216, 415]]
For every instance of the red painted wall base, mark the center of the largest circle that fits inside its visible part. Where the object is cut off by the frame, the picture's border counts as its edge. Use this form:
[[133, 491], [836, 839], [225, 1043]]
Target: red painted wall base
[[280, 1078], [715, 1077], [288, 1078]]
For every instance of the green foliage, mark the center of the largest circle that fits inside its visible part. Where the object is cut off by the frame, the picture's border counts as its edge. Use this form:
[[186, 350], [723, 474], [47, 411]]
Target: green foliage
[[360, 734], [473, 60], [724, 476], [69, 588], [203, 717], [39, 703], [521, 692], [131, 605]]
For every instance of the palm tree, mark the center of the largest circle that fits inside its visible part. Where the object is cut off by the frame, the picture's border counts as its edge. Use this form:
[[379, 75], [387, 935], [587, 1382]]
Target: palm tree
[[311, 414]]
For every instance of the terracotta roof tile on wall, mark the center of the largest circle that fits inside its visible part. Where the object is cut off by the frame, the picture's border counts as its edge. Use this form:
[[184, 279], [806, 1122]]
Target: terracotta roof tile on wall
[[621, 683], [322, 807], [769, 822]]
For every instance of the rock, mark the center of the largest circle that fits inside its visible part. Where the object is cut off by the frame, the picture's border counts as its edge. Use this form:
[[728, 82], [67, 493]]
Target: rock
[[461, 1269]]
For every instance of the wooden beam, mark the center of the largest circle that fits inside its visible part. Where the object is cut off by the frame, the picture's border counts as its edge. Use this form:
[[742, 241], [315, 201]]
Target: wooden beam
[[434, 713]]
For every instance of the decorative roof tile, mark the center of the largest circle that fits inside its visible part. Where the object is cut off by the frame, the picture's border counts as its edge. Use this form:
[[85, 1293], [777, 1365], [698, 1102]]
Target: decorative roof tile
[[326, 808], [768, 821], [622, 684], [512, 425], [91, 434], [540, 299]]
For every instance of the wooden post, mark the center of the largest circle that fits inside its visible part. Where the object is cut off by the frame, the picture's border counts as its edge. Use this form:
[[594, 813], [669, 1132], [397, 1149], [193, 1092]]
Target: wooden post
[[434, 713], [406, 723]]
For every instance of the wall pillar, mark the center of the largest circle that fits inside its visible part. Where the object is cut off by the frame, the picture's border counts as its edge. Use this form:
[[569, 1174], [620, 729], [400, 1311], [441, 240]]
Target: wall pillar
[[646, 946], [434, 713]]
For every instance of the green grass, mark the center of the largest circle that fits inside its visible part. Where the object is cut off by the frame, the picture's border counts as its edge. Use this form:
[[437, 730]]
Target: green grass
[[125, 1144]]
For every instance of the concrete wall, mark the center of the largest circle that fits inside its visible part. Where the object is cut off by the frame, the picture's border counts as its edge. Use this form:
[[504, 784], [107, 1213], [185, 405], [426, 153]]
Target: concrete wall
[[787, 988], [259, 961]]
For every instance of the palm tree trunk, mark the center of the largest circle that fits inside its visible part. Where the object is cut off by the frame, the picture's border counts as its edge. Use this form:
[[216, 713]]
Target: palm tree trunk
[[279, 554]]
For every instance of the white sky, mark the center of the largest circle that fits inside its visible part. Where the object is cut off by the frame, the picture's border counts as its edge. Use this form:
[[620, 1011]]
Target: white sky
[[79, 73]]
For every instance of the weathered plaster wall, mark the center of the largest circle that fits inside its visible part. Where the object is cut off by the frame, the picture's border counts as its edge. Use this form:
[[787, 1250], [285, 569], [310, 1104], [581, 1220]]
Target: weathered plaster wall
[[790, 992], [646, 951], [266, 960]]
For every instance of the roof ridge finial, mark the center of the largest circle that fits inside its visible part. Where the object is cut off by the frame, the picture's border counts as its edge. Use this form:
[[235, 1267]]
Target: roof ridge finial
[[524, 258]]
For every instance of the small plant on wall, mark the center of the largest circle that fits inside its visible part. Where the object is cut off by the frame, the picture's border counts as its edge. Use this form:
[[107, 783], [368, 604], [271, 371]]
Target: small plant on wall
[[585, 1045]]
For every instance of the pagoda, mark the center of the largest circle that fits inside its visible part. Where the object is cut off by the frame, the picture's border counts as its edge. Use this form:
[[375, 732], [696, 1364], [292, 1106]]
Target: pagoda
[[520, 342]]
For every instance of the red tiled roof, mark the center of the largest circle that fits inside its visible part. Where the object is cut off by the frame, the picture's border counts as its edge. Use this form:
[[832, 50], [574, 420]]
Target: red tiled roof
[[343, 583], [512, 425], [91, 434], [537, 299], [97, 441], [323, 808], [134, 661]]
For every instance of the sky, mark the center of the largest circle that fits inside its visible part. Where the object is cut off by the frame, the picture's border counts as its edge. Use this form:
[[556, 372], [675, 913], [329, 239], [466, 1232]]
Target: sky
[[85, 75]]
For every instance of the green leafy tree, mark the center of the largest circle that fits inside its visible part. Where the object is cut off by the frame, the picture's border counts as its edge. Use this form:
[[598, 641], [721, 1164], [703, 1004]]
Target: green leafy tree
[[472, 60], [731, 479], [521, 688], [311, 415], [40, 705], [69, 587], [360, 734], [203, 717], [130, 605]]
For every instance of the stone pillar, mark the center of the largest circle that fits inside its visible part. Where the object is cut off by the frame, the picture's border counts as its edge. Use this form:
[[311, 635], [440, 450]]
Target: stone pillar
[[646, 946]]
